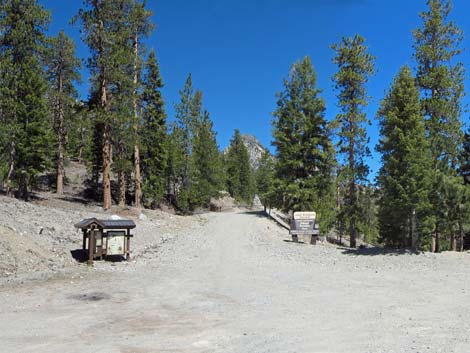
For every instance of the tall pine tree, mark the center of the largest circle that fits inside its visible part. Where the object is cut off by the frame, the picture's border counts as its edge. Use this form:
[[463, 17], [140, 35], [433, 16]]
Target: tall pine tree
[[355, 66], [109, 28], [264, 176], [206, 170], [304, 151], [440, 78], [23, 103], [153, 134], [404, 178], [140, 28], [63, 66], [240, 178]]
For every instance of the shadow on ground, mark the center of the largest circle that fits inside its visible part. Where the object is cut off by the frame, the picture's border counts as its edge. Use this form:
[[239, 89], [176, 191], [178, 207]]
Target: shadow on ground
[[259, 214], [81, 256], [294, 242], [76, 199], [376, 251]]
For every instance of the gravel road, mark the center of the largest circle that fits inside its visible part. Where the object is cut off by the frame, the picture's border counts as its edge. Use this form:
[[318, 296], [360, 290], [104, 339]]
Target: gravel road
[[235, 284]]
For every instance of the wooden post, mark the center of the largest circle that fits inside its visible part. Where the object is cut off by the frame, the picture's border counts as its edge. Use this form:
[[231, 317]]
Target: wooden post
[[84, 239], [313, 240], [128, 239], [91, 247]]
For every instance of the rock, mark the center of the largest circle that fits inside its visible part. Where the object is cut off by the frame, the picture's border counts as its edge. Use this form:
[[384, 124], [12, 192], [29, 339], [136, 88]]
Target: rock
[[142, 217], [115, 217]]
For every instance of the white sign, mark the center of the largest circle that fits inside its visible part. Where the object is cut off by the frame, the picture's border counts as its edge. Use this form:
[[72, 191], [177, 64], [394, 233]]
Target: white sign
[[305, 215]]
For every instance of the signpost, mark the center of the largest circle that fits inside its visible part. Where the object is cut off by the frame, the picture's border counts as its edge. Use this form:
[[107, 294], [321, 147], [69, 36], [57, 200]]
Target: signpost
[[304, 223]]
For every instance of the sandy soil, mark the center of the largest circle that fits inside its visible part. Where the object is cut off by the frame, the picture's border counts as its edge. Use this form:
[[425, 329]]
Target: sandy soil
[[231, 282]]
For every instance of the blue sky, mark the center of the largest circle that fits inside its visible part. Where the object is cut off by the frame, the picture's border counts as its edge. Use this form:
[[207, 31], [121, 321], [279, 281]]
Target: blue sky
[[239, 51]]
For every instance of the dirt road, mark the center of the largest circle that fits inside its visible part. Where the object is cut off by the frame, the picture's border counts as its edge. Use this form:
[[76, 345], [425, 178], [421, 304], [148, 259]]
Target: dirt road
[[235, 285]]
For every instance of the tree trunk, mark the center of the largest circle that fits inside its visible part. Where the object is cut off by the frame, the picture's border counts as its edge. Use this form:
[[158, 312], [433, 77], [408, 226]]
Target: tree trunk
[[352, 231], [106, 147], [352, 188], [106, 152], [435, 240], [11, 168], [23, 188], [137, 176], [122, 188], [453, 242], [61, 141], [106, 168], [414, 236], [462, 235], [60, 171]]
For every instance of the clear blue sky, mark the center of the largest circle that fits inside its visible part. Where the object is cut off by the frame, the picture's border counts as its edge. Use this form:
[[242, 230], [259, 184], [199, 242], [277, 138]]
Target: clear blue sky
[[239, 51]]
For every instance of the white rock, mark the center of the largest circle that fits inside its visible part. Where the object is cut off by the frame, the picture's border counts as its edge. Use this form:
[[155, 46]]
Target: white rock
[[115, 217]]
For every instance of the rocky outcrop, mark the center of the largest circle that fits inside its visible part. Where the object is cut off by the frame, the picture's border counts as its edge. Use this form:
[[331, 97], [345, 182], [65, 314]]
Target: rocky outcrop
[[255, 149]]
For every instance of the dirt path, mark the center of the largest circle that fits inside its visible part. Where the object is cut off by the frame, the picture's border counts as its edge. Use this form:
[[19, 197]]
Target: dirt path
[[236, 286]]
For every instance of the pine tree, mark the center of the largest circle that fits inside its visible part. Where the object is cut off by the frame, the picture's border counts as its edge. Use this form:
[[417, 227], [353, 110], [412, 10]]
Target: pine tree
[[463, 211], [404, 178], [240, 178], [264, 176], [206, 169], [23, 102], [153, 138], [140, 28], [355, 66], [188, 112], [174, 161], [109, 31], [185, 119], [437, 45], [369, 225], [305, 154], [62, 72], [97, 21]]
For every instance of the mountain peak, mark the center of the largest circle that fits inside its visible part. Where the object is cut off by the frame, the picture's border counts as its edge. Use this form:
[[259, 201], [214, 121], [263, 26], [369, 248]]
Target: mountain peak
[[255, 149]]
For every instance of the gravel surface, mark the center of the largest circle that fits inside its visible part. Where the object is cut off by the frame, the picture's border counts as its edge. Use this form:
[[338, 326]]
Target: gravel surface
[[37, 239], [232, 282]]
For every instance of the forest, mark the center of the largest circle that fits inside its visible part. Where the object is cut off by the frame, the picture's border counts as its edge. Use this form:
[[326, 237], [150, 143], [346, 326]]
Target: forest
[[138, 156]]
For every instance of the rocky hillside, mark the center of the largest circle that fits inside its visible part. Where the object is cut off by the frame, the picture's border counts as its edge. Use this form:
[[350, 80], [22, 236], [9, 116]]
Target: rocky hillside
[[255, 149]]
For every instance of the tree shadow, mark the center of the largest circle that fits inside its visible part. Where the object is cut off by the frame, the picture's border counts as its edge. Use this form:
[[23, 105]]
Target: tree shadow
[[258, 214], [377, 251], [77, 199]]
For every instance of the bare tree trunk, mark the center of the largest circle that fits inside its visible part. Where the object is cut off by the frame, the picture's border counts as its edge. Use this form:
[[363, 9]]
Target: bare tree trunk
[[122, 188], [453, 242], [106, 151], [61, 140], [462, 235], [352, 199], [23, 188], [106, 168], [435, 240], [137, 176], [414, 236], [11, 168], [60, 171], [352, 231]]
